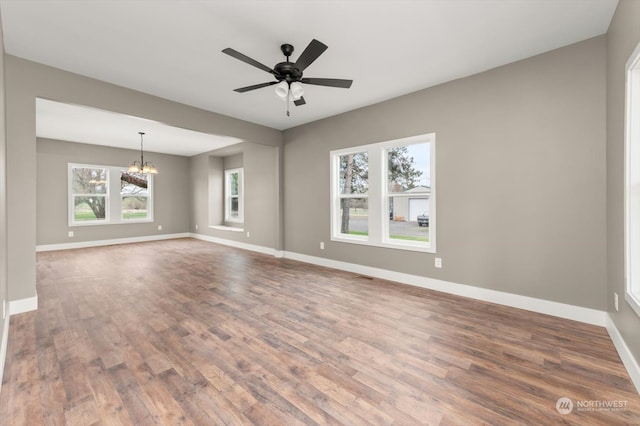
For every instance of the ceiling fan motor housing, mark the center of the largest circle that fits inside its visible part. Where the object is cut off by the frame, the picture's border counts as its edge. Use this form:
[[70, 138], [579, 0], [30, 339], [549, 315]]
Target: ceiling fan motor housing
[[287, 72]]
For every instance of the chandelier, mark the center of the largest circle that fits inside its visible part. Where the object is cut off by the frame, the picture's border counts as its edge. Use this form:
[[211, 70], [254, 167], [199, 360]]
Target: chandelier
[[142, 166]]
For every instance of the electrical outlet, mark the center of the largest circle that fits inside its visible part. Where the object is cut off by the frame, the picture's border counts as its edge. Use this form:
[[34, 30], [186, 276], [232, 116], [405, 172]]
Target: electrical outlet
[[159, 227], [196, 227], [615, 301], [248, 234], [70, 234], [322, 245], [438, 262]]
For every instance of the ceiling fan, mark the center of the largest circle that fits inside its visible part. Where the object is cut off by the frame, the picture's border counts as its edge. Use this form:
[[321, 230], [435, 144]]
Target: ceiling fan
[[289, 75]]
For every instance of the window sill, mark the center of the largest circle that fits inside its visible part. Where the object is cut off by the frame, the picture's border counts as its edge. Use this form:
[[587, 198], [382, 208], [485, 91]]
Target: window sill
[[106, 222], [365, 242], [226, 228]]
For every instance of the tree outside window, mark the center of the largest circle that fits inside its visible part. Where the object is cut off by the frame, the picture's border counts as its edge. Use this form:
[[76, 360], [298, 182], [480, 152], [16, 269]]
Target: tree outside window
[[90, 192], [354, 181], [134, 196]]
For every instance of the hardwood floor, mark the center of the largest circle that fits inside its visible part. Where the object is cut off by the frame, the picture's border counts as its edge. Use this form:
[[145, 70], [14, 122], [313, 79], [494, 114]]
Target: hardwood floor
[[185, 332]]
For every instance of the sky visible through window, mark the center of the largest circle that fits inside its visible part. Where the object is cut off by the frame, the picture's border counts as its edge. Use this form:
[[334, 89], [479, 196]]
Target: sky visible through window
[[422, 161]]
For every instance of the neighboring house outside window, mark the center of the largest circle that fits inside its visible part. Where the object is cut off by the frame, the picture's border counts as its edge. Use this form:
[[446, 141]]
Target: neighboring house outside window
[[383, 194], [233, 200]]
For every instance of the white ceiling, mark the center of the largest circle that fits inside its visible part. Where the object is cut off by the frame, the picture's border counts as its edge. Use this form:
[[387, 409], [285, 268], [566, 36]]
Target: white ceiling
[[74, 123], [172, 49]]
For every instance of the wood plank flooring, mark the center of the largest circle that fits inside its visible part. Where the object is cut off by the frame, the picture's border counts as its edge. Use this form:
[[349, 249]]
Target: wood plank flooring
[[185, 332]]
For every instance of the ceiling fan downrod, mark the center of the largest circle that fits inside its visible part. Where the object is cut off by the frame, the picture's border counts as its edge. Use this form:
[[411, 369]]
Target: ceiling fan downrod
[[288, 102]]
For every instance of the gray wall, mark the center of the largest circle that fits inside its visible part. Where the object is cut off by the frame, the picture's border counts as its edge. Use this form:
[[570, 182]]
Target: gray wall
[[4, 293], [520, 177], [261, 193], [213, 191], [171, 193], [27, 80], [622, 38]]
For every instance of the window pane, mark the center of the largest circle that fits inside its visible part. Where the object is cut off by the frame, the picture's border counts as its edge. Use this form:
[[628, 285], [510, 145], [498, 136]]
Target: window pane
[[409, 168], [409, 176], [134, 208], [134, 184], [89, 208], [409, 218], [354, 216], [89, 180], [233, 183], [234, 211], [354, 173]]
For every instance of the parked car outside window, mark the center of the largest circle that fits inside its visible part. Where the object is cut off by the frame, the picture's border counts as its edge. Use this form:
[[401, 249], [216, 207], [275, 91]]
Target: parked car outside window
[[423, 219]]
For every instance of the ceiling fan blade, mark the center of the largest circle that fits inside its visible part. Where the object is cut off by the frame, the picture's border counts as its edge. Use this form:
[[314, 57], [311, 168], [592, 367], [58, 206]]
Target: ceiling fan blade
[[300, 101], [254, 87], [310, 54], [332, 82], [244, 58]]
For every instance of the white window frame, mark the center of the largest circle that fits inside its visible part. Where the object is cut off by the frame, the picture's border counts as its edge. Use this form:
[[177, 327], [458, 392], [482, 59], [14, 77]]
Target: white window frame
[[113, 208], [228, 196], [335, 184], [72, 196], [377, 196], [632, 182]]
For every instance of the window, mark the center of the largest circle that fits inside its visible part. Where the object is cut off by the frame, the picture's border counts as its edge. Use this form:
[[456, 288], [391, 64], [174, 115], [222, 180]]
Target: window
[[632, 182], [94, 199], [89, 194], [383, 194], [353, 194], [408, 192], [134, 196], [233, 196]]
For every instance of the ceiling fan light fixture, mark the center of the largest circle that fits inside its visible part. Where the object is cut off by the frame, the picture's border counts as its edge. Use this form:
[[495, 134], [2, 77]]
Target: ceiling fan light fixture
[[282, 89], [296, 90]]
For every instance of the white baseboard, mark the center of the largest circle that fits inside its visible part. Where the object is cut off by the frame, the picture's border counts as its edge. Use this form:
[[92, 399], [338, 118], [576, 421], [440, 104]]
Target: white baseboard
[[85, 244], [626, 356], [236, 244], [15, 307], [562, 310], [21, 306], [3, 347]]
